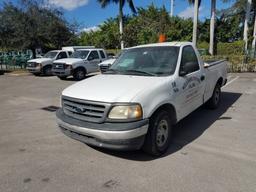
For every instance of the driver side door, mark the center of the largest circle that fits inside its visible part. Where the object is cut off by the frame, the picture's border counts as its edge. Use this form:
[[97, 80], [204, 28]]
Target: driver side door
[[191, 81], [93, 61]]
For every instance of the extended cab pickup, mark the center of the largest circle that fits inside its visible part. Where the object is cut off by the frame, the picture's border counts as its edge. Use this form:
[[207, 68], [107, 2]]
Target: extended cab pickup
[[44, 65], [138, 100], [82, 62]]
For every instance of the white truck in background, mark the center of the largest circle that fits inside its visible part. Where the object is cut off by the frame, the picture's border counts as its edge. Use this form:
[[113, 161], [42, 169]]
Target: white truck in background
[[81, 63], [137, 101], [105, 65], [43, 65]]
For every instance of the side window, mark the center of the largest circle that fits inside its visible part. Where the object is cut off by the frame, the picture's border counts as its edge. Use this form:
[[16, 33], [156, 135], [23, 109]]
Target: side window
[[93, 55], [70, 53], [189, 59], [62, 55], [102, 54]]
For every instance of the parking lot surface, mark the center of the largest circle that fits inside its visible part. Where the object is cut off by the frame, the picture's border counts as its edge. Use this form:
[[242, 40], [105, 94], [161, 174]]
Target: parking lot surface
[[211, 150]]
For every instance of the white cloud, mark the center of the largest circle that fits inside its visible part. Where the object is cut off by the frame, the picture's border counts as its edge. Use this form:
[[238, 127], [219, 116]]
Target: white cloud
[[88, 29], [68, 4], [189, 12]]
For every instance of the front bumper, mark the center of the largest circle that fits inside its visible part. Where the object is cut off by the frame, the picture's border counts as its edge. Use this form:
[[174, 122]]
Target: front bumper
[[62, 72], [34, 69], [119, 136]]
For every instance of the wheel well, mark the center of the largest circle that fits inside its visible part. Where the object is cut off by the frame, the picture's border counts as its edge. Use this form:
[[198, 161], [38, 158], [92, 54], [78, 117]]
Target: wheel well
[[80, 68], [220, 81], [170, 109]]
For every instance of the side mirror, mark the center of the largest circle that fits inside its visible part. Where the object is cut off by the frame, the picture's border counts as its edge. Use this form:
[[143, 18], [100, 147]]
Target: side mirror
[[183, 73], [90, 58], [186, 68]]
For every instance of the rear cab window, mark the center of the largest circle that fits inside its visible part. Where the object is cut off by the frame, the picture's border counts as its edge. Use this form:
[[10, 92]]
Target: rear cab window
[[102, 54]]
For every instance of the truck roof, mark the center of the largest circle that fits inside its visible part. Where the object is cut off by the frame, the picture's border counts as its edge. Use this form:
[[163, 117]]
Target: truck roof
[[177, 44], [92, 49]]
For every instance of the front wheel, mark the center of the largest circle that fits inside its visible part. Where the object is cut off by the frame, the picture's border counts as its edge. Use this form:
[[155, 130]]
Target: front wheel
[[47, 71], [159, 134], [79, 74], [214, 101]]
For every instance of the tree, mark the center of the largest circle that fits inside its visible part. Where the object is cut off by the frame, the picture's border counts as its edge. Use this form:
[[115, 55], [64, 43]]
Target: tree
[[247, 17], [212, 26], [121, 3], [196, 4], [32, 26]]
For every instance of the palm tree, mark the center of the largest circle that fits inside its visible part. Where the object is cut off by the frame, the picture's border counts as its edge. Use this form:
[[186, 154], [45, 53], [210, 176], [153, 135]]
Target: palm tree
[[212, 26], [254, 35], [171, 10], [247, 17], [196, 4], [121, 3]]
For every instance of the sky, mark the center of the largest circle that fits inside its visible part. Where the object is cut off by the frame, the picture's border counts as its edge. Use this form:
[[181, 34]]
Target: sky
[[89, 14]]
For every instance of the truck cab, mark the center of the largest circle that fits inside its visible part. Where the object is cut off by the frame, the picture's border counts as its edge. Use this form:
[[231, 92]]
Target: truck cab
[[81, 63], [135, 104], [44, 65]]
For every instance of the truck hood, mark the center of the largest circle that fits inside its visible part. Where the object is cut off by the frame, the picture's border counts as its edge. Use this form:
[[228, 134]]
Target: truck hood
[[41, 60], [69, 61], [111, 88]]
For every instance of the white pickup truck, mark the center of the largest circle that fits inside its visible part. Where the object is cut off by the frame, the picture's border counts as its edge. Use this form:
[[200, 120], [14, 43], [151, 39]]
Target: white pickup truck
[[44, 65], [82, 62], [138, 100]]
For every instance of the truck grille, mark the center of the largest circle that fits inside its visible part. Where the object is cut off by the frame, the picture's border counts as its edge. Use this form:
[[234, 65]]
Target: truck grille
[[104, 68], [58, 66], [85, 110]]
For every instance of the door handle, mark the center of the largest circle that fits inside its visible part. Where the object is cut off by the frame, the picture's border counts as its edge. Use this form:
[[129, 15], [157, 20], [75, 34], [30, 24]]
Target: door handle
[[202, 78]]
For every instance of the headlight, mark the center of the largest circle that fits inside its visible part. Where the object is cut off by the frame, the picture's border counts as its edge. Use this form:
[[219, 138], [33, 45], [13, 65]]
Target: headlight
[[125, 112], [68, 66], [38, 65]]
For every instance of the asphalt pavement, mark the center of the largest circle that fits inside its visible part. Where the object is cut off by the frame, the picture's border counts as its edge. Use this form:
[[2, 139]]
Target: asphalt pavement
[[211, 150]]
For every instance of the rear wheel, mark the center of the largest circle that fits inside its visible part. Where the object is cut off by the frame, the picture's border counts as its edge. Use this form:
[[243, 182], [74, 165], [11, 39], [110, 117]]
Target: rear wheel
[[214, 101], [47, 70], [159, 134], [79, 74]]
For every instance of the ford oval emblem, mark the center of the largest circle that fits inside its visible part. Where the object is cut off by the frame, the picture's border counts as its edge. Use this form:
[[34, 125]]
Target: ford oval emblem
[[79, 109]]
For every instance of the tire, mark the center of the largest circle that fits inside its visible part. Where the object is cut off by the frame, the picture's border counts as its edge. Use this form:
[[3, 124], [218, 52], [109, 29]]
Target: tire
[[159, 134], [79, 74], [214, 101], [36, 74], [47, 70], [62, 78]]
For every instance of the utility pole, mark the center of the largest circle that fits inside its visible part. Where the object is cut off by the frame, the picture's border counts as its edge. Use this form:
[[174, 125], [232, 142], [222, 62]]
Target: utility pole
[[172, 5]]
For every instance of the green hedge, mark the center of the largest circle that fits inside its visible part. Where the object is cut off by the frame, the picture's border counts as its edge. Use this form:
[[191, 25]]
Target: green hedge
[[234, 48]]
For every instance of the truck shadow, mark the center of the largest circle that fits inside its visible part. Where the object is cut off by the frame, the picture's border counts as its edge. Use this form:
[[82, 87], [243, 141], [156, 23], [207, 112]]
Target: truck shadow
[[187, 130], [72, 78]]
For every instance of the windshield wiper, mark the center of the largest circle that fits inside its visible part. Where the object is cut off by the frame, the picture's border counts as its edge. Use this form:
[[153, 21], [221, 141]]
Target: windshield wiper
[[140, 72]]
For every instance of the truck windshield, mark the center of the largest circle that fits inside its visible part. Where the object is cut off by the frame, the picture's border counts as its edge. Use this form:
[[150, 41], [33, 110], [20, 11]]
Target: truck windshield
[[80, 54], [147, 61], [51, 54]]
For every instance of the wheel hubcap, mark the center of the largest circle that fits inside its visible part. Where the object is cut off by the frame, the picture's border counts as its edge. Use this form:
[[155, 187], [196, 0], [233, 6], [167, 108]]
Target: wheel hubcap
[[162, 133], [217, 96], [80, 74]]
